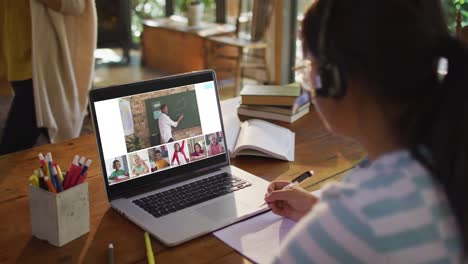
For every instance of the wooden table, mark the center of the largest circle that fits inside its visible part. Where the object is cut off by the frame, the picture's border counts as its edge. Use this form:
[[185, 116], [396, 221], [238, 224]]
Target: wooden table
[[315, 149], [170, 46]]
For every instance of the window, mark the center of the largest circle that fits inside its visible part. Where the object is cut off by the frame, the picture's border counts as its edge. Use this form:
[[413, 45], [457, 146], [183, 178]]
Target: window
[[302, 6]]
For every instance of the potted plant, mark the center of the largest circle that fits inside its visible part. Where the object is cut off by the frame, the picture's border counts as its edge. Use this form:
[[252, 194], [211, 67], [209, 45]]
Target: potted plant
[[195, 10]]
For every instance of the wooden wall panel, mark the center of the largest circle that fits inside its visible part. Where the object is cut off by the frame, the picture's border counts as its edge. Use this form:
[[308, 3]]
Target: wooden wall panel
[[172, 51]]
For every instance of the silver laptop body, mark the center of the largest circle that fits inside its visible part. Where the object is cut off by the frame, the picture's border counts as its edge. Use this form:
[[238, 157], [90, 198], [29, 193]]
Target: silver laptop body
[[129, 138]]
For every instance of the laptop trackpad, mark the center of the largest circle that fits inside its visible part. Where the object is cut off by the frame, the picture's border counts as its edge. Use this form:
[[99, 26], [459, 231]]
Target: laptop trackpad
[[223, 209]]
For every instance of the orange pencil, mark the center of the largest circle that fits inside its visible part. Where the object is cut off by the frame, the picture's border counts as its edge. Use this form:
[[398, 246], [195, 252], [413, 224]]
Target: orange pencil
[[49, 184]]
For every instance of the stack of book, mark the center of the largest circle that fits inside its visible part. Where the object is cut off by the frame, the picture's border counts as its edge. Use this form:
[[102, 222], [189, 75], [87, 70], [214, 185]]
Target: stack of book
[[275, 102]]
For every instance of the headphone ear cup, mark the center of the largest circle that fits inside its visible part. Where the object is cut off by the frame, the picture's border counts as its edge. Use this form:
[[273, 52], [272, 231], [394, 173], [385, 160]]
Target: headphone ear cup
[[330, 82], [338, 88]]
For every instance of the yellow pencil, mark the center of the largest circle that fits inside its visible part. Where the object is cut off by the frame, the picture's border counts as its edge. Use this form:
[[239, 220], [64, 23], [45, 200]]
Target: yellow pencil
[[33, 180], [59, 172], [149, 250], [47, 171]]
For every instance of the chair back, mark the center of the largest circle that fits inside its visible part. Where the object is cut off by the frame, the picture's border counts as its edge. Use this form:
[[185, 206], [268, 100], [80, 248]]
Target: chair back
[[259, 20], [460, 31], [261, 17]]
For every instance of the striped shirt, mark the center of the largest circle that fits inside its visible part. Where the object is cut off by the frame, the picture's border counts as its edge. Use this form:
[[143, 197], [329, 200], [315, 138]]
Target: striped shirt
[[390, 212]]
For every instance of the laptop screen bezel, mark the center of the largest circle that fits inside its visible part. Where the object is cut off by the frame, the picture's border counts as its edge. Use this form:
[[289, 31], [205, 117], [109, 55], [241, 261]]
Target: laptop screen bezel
[[157, 179]]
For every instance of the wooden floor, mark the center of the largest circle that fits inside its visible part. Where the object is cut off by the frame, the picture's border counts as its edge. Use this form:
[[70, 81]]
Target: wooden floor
[[107, 74]]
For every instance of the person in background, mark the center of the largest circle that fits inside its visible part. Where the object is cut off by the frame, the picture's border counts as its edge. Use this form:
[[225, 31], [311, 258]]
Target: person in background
[[117, 171], [215, 148], [198, 152], [46, 53], [376, 73], [166, 123], [139, 167]]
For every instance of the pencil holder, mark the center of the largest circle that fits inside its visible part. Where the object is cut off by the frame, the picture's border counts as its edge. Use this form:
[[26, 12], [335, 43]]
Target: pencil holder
[[59, 218]]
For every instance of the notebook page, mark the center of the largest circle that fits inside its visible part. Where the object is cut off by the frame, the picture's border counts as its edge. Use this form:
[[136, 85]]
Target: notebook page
[[260, 237], [267, 136], [231, 121]]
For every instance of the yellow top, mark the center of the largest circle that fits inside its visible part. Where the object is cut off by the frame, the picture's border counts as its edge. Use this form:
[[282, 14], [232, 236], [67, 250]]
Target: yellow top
[[15, 40], [162, 163]]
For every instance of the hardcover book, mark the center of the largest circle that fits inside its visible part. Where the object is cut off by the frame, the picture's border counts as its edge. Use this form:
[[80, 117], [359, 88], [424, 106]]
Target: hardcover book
[[273, 116], [283, 95]]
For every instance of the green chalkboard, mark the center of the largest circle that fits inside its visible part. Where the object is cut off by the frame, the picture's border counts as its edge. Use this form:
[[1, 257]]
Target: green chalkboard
[[180, 103]]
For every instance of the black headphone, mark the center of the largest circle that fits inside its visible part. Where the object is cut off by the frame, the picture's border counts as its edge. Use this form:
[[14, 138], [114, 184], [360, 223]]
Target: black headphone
[[330, 81]]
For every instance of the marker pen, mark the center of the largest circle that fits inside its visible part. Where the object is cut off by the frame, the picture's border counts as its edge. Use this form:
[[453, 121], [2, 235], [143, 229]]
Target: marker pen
[[74, 169], [43, 163], [42, 183], [49, 171], [304, 176], [82, 160], [74, 162], [57, 180], [81, 177], [59, 172], [49, 184]]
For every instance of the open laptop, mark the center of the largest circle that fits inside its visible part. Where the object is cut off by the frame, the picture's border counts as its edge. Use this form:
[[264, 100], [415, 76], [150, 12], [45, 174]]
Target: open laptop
[[174, 182]]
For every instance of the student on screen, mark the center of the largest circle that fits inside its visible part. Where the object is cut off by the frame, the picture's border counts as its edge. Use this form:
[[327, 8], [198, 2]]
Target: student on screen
[[198, 152], [215, 147], [139, 167], [179, 157], [166, 123], [157, 160], [377, 73], [117, 171]]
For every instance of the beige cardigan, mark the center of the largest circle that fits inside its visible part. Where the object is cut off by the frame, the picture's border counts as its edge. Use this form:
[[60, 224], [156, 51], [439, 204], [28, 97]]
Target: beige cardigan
[[63, 45]]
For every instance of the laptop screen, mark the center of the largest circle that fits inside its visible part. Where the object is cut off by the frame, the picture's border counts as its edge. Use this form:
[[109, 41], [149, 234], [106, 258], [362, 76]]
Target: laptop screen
[[159, 132]]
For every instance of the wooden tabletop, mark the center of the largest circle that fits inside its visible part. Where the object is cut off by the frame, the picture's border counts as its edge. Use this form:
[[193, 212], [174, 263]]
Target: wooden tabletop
[[316, 149]]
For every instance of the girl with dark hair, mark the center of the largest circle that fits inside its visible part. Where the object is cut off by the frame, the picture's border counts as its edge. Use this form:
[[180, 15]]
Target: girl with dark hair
[[179, 155], [198, 152], [388, 74]]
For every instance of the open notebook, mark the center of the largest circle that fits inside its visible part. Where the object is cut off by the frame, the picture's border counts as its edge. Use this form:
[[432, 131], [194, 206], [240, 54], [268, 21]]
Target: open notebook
[[256, 137], [258, 238]]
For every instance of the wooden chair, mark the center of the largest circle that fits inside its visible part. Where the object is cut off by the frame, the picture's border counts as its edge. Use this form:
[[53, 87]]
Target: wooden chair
[[249, 48], [462, 32]]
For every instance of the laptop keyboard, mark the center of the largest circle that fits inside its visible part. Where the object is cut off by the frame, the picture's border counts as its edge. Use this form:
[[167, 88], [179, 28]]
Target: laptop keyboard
[[173, 200]]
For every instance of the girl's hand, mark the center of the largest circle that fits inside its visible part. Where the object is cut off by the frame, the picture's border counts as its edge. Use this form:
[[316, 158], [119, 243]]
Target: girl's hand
[[293, 203]]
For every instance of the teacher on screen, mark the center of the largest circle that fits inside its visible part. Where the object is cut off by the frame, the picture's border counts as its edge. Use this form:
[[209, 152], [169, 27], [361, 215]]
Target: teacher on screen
[[165, 123]]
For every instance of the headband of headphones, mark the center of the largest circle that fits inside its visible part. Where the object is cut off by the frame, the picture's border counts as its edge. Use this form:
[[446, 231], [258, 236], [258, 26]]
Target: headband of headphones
[[330, 82]]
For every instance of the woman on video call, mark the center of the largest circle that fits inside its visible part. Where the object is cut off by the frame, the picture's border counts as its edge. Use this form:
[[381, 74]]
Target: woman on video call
[[375, 71]]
